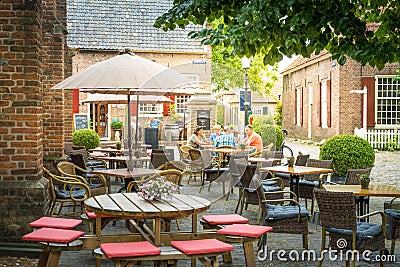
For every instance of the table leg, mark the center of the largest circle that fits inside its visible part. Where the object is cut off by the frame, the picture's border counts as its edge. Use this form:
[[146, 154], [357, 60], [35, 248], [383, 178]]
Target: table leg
[[294, 185], [157, 231]]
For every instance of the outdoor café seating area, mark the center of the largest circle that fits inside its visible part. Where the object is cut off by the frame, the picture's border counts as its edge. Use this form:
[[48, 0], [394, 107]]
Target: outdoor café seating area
[[236, 214]]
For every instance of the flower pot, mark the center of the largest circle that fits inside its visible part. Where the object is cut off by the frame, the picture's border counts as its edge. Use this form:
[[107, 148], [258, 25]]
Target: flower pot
[[290, 161], [364, 184]]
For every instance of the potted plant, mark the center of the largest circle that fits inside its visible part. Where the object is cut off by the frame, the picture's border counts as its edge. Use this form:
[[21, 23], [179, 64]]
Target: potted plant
[[364, 181], [116, 125], [86, 137], [157, 189], [138, 153], [118, 145]]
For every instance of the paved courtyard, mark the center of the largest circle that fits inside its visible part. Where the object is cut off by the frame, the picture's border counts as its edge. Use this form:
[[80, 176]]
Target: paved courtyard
[[386, 171]]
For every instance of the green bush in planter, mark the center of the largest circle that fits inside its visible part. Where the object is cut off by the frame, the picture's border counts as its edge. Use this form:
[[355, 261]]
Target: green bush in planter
[[86, 137], [270, 134], [116, 124], [347, 152]]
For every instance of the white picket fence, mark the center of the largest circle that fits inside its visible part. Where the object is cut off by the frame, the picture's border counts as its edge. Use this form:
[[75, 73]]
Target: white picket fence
[[379, 139]]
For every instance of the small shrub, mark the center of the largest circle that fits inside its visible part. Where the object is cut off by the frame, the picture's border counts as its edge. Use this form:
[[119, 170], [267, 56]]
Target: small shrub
[[347, 152], [86, 137], [270, 134], [116, 124]]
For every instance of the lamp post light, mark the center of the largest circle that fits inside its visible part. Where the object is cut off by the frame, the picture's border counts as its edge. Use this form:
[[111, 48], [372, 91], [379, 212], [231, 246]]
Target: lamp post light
[[246, 65]]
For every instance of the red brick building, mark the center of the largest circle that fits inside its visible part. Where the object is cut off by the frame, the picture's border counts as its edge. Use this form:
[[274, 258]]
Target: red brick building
[[318, 102]]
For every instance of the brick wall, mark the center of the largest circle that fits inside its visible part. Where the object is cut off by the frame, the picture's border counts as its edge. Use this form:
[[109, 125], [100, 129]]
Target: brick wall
[[31, 120]]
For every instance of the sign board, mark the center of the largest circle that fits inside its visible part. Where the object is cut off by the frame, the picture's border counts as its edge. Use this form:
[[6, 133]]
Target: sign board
[[81, 121], [242, 99], [203, 119]]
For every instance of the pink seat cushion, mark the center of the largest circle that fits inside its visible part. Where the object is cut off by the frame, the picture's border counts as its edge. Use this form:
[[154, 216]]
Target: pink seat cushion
[[244, 230], [92, 215], [201, 246], [224, 219], [51, 222], [129, 249], [53, 235]]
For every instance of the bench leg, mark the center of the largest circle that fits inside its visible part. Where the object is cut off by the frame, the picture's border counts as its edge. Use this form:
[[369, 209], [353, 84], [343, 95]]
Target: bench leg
[[44, 256], [249, 256], [213, 261], [54, 258]]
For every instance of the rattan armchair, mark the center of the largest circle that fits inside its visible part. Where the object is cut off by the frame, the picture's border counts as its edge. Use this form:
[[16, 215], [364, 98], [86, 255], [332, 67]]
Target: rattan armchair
[[67, 192], [338, 218], [392, 225], [174, 165], [157, 159], [311, 181], [353, 178], [96, 182], [284, 215]]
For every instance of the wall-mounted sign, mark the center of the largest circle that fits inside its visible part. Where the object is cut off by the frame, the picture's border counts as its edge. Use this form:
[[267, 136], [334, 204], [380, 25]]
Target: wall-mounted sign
[[81, 121], [199, 62]]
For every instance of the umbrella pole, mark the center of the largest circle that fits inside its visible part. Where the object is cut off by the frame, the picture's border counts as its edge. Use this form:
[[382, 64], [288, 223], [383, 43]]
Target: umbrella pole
[[137, 122], [129, 127]]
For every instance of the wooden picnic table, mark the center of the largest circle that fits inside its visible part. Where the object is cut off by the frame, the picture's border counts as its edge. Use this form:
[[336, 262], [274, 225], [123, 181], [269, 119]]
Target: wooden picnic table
[[130, 206], [114, 160]]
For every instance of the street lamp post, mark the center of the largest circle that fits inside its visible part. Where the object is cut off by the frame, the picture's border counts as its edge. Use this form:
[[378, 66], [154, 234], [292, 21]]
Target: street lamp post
[[246, 65]]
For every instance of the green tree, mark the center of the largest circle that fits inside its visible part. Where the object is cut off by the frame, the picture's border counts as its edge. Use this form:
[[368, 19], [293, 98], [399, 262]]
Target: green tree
[[288, 27]]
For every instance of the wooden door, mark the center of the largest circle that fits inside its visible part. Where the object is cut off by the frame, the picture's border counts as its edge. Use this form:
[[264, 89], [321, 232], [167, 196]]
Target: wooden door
[[101, 119]]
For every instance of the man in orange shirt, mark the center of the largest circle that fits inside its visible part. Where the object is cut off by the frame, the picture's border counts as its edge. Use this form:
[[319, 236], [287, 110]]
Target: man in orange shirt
[[253, 138]]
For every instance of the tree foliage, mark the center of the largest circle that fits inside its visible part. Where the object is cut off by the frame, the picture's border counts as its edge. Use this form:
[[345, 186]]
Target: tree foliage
[[287, 27]]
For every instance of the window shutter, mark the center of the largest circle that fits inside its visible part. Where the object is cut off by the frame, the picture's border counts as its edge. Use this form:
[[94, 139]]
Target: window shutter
[[370, 83], [301, 105], [328, 97], [295, 106], [319, 105]]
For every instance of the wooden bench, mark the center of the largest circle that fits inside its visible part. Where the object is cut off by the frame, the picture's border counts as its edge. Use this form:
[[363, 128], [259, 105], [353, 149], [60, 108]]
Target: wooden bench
[[168, 256]]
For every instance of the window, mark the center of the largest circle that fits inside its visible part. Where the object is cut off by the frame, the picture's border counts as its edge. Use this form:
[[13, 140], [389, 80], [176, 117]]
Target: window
[[257, 110], [180, 101], [150, 109], [325, 103], [387, 101]]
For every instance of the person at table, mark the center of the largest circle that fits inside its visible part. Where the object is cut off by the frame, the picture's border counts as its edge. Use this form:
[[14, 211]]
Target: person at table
[[216, 133], [225, 140], [155, 123], [253, 139], [197, 138]]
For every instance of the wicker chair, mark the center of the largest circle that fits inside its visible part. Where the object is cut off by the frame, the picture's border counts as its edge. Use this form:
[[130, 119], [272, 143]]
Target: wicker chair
[[96, 182], [353, 178], [291, 218], [311, 181], [157, 159], [244, 184], [174, 165], [338, 218], [392, 225], [68, 192]]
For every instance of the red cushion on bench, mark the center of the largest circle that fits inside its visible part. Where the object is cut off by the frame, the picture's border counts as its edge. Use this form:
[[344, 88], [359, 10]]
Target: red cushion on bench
[[53, 235], [224, 219], [201, 246], [129, 249], [92, 215], [60, 223], [244, 230]]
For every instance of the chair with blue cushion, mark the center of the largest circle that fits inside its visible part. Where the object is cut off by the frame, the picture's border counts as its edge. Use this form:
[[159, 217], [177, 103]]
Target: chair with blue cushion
[[392, 225], [67, 192], [96, 182], [311, 181], [284, 215], [338, 218]]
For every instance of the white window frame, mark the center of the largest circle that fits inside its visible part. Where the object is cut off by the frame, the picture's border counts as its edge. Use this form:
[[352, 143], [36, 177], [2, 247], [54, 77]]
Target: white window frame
[[324, 103], [257, 110], [180, 104], [146, 110], [387, 103]]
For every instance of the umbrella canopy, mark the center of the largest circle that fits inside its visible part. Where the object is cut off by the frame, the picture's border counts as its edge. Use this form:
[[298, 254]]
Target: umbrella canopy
[[121, 99], [127, 74]]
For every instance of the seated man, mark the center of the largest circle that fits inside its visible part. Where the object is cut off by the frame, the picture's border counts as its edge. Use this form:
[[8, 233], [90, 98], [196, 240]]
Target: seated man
[[225, 140], [253, 139]]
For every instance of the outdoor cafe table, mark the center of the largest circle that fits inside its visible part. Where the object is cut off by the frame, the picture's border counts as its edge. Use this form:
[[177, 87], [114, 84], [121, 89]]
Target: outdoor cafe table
[[114, 160], [130, 206], [125, 174], [295, 173], [372, 191], [269, 161], [223, 151]]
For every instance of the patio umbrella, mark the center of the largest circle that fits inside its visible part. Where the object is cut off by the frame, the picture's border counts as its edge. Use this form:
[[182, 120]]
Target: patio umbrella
[[127, 74]]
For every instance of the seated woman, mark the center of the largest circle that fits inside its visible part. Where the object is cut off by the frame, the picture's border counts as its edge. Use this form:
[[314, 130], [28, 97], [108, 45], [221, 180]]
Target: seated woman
[[197, 138]]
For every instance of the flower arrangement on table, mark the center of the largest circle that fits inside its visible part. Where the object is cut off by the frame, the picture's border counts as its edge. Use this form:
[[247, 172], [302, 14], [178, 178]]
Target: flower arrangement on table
[[157, 188], [242, 146]]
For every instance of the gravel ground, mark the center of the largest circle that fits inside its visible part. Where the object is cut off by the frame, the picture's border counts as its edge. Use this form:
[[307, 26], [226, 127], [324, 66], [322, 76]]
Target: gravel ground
[[385, 171]]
